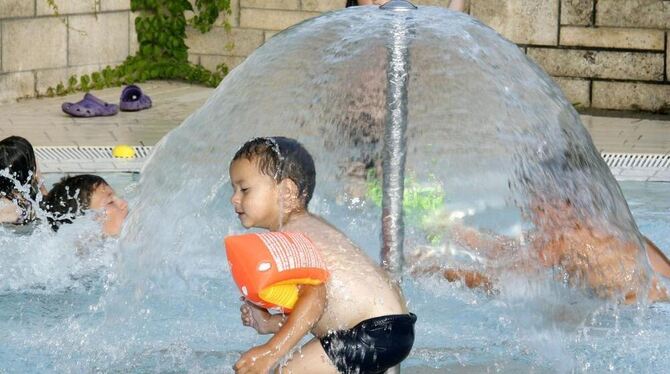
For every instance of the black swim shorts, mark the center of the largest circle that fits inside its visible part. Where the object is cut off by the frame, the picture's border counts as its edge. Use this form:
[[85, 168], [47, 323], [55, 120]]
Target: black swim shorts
[[372, 346]]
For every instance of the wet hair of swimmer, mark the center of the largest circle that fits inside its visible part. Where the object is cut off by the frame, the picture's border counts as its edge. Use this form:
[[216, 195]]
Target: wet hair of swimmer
[[351, 3], [18, 157], [70, 198], [281, 158]]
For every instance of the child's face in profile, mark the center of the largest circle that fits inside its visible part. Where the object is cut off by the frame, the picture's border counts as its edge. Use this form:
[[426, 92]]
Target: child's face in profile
[[255, 195], [116, 209]]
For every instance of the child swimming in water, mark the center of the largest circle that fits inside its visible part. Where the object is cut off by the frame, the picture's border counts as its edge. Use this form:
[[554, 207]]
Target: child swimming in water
[[359, 317], [73, 197], [587, 255], [21, 183]]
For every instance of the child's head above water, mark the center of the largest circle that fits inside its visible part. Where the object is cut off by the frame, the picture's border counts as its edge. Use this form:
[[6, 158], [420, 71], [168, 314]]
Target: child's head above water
[[272, 178], [73, 196], [17, 157]]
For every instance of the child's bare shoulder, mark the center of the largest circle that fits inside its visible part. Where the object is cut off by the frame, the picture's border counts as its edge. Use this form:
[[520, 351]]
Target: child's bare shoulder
[[315, 227], [332, 242]]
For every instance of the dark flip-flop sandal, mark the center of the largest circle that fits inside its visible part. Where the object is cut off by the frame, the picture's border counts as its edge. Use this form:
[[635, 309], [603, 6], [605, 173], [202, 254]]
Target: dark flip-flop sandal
[[90, 106], [133, 99]]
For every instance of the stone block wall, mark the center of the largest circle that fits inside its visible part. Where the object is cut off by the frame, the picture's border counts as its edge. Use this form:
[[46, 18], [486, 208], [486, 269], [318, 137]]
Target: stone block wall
[[253, 22], [39, 49], [604, 54]]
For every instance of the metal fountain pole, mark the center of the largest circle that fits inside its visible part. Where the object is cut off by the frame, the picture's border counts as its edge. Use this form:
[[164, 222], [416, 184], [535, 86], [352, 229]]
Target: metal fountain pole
[[394, 153]]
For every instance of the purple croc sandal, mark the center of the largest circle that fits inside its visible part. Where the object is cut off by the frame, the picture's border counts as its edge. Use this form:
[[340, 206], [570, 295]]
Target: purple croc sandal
[[133, 99], [90, 106]]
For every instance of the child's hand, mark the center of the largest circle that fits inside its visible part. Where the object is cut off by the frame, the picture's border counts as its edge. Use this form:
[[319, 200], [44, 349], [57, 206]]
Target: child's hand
[[259, 359], [40, 181], [257, 318]]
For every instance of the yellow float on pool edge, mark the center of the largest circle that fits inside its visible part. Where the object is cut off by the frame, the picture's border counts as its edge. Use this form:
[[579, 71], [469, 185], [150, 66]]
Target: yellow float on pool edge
[[123, 151]]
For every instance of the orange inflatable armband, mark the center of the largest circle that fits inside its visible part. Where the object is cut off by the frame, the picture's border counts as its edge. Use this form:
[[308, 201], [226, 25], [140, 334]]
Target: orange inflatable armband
[[268, 267]]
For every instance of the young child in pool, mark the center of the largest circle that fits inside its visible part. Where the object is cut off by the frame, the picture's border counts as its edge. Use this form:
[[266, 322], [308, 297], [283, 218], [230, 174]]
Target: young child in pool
[[73, 196], [587, 255], [359, 317], [21, 185]]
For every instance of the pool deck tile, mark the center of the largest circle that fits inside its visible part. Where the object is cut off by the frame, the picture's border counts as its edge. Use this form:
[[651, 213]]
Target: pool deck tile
[[629, 135], [91, 166], [661, 175], [43, 123], [634, 174]]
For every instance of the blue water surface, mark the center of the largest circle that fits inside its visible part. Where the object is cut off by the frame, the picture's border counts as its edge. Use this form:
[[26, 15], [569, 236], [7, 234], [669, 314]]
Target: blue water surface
[[82, 316]]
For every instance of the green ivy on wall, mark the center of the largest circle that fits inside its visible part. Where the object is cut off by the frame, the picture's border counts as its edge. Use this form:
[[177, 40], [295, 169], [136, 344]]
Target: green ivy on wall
[[162, 54]]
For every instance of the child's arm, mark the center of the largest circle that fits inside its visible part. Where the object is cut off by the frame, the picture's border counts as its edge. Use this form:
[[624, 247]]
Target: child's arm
[[480, 242], [659, 262], [260, 319], [458, 5], [657, 292], [471, 278], [40, 182], [306, 313]]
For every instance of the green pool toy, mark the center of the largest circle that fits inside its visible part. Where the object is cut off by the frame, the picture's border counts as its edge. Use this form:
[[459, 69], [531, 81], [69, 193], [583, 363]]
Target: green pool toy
[[419, 199]]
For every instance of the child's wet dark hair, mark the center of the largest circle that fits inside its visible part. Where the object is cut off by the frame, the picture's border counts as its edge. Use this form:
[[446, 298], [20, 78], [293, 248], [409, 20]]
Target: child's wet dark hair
[[18, 157], [281, 158], [70, 197], [351, 3]]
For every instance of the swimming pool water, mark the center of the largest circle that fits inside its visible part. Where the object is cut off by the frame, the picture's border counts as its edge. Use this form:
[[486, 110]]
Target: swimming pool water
[[63, 312]]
